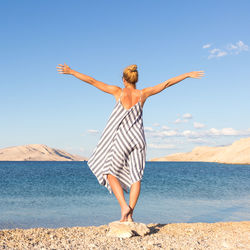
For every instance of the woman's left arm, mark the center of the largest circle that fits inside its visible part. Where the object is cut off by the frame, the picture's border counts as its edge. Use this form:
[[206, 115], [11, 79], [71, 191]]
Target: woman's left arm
[[111, 89], [159, 87]]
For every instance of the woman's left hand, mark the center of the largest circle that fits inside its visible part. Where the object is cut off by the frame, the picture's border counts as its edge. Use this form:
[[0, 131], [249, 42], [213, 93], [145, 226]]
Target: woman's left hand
[[64, 69], [196, 74]]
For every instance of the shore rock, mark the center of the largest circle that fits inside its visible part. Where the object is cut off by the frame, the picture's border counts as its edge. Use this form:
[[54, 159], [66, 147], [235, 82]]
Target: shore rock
[[127, 229]]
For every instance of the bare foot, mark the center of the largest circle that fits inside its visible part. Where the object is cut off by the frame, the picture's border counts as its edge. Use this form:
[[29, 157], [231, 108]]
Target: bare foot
[[130, 219], [124, 213]]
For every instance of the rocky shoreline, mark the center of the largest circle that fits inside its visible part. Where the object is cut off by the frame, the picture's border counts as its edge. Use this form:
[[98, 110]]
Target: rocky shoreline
[[220, 235]]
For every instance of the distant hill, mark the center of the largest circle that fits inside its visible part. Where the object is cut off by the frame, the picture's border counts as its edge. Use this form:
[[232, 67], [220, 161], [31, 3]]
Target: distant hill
[[236, 153], [37, 152]]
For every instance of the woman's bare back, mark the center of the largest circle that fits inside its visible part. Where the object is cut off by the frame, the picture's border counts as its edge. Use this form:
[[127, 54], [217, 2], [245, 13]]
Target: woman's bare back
[[130, 97]]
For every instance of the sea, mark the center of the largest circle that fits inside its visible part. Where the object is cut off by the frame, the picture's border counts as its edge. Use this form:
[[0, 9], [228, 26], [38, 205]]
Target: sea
[[67, 194]]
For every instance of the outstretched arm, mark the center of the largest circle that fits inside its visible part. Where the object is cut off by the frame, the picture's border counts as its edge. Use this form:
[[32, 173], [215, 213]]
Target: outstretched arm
[[111, 89], [158, 88]]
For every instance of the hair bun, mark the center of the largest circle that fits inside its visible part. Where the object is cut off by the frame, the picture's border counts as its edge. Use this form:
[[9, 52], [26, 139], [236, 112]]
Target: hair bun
[[133, 68], [130, 74]]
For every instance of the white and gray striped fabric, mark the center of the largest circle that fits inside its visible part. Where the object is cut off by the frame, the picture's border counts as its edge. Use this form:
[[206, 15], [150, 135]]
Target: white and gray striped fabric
[[121, 150]]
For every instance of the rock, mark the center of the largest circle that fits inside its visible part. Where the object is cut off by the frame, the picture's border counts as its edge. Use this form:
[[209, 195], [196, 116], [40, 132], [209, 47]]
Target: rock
[[120, 230], [140, 228], [127, 229]]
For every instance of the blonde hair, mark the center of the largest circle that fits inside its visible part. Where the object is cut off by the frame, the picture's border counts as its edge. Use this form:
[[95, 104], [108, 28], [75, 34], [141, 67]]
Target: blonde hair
[[130, 74]]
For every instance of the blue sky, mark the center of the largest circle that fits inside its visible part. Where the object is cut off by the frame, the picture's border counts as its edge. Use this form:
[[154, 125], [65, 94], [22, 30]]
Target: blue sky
[[100, 38]]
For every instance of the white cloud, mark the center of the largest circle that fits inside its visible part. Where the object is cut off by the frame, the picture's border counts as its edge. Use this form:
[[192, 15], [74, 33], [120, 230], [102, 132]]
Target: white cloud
[[198, 140], [169, 132], [93, 131], [231, 49], [162, 133], [150, 129], [227, 131], [206, 46], [217, 53], [164, 127], [198, 125], [163, 137], [187, 116], [156, 124], [178, 120], [213, 131], [161, 146], [189, 133], [185, 119], [199, 134], [238, 47]]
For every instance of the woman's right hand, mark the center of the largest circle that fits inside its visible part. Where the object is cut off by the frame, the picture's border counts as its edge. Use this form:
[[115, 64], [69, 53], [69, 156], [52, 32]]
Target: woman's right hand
[[64, 69], [196, 74]]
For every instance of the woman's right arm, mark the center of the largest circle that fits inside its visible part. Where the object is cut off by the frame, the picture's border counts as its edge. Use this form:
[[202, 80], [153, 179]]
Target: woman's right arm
[[158, 88], [111, 89]]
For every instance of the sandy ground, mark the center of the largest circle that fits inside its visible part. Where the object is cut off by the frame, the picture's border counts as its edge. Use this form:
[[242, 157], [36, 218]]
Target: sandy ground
[[221, 235]]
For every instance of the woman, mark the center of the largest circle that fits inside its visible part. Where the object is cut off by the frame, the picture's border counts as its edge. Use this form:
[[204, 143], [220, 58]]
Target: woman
[[118, 160]]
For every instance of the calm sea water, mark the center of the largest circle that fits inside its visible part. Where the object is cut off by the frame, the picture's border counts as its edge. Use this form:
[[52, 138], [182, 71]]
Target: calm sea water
[[67, 194]]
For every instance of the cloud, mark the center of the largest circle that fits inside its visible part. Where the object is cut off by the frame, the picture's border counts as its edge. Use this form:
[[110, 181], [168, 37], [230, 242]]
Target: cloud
[[187, 116], [189, 133], [217, 53], [198, 125], [93, 131], [165, 127], [238, 47], [178, 120], [195, 134], [169, 133], [227, 131], [206, 46], [230, 49], [161, 146], [156, 124], [198, 140], [167, 138], [161, 133], [150, 129], [216, 132]]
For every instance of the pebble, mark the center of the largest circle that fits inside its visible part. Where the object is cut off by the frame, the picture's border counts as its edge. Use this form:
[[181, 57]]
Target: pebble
[[220, 235]]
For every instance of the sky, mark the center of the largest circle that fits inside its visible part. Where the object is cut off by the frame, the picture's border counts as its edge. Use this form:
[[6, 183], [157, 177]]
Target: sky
[[100, 38]]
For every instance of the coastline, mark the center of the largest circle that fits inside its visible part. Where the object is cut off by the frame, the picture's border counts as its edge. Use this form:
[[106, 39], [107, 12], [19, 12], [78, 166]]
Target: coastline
[[219, 235]]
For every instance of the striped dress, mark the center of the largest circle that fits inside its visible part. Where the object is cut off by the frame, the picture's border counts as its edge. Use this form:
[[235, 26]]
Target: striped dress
[[121, 150]]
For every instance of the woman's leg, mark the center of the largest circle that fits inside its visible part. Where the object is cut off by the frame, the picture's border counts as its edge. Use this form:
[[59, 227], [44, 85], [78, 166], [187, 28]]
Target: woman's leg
[[133, 197], [118, 192]]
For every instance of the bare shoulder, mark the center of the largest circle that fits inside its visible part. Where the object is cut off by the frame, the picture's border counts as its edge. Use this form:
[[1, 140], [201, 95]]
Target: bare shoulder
[[116, 92], [144, 95]]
